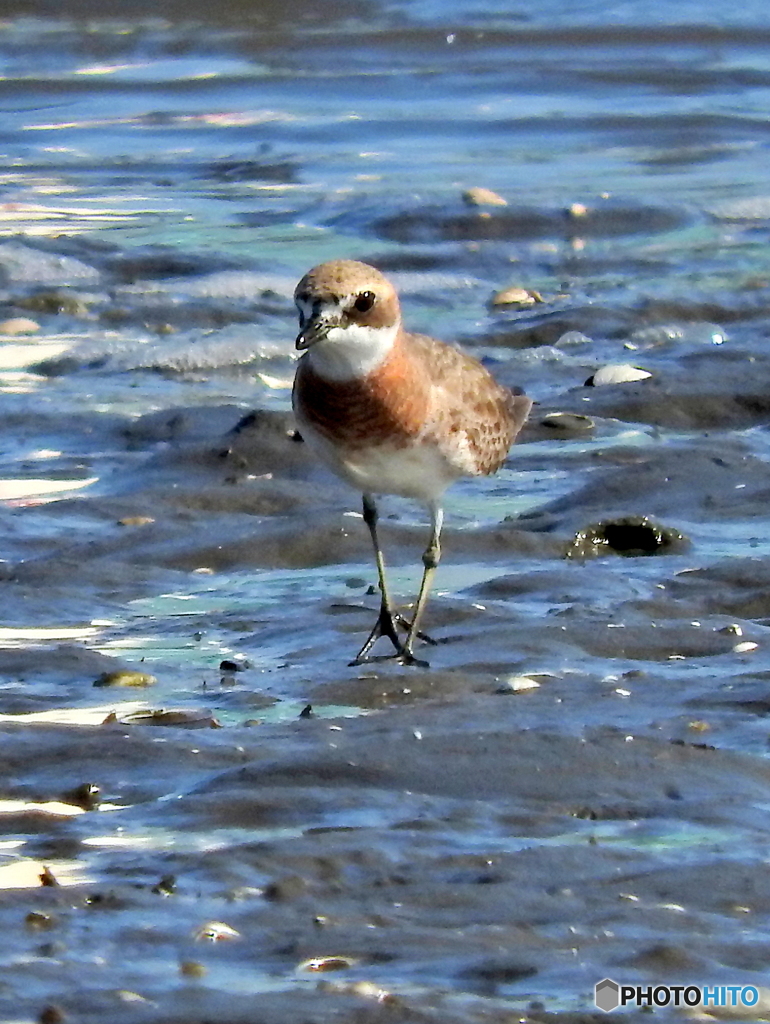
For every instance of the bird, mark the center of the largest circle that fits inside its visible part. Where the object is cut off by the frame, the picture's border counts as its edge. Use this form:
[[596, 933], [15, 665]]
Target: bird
[[391, 412]]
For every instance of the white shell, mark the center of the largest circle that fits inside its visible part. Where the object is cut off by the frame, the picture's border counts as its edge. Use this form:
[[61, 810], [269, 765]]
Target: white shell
[[519, 684], [618, 373]]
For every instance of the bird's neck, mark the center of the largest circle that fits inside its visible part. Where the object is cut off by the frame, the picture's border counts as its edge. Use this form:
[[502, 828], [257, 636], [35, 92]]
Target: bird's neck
[[353, 352]]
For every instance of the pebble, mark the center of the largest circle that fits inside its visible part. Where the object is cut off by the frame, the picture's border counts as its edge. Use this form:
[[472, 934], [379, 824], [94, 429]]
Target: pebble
[[745, 646], [216, 931], [516, 296], [87, 795], [570, 338], [52, 1015], [327, 963], [572, 421], [192, 969], [483, 197], [38, 921], [616, 373], [518, 684], [577, 210], [135, 521], [364, 989], [19, 325]]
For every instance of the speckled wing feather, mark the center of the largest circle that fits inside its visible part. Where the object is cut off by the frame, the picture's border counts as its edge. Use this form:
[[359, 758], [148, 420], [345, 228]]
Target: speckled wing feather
[[473, 419]]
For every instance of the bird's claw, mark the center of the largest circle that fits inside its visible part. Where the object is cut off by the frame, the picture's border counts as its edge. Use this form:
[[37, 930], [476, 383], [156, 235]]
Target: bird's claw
[[386, 626]]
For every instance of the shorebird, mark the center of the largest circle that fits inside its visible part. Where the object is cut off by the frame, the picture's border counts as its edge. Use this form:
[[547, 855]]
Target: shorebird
[[393, 413]]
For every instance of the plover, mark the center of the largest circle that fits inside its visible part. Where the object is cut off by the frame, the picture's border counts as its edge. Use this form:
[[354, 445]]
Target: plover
[[393, 413]]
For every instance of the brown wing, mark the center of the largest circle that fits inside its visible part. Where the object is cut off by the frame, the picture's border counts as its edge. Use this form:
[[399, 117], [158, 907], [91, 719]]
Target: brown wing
[[472, 418]]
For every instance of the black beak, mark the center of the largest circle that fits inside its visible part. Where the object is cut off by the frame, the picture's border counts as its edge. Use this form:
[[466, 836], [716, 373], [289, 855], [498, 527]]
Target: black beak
[[314, 330]]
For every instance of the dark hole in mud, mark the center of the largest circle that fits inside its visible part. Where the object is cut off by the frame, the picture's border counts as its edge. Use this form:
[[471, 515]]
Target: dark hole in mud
[[631, 536]]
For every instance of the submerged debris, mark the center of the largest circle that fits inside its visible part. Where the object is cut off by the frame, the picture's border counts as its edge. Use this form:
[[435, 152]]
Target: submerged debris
[[125, 677], [173, 717], [363, 989], [135, 521], [87, 795], [192, 969]]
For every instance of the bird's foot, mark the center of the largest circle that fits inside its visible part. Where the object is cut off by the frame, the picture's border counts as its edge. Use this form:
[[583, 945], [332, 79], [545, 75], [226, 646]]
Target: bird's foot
[[386, 626], [407, 658], [402, 656], [406, 625]]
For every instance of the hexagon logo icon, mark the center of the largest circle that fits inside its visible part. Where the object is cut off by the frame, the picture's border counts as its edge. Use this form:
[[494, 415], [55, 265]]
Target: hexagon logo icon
[[607, 995]]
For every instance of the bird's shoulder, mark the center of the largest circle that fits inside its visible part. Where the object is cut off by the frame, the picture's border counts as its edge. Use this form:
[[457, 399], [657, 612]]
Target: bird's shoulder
[[474, 416]]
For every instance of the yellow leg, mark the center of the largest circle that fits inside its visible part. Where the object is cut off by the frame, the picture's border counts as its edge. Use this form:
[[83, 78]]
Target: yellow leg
[[387, 620], [385, 624], [430, 560]]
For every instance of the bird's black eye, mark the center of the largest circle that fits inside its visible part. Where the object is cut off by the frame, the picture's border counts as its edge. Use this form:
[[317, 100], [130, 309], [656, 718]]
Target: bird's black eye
[[364, 302]]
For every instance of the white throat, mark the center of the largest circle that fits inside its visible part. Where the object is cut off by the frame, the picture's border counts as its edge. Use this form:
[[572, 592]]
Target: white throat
[[347, 353]]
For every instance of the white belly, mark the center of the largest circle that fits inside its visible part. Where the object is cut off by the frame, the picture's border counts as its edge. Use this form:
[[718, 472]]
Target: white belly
[[417, 471]]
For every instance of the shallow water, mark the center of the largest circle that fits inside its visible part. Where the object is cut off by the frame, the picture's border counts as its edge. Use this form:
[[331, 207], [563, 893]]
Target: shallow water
[[474, 849]]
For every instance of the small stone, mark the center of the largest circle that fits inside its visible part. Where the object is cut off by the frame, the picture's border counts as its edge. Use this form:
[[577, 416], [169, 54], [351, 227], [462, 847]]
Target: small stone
[[230, 666], [52, 1015], [19, 325], [616, 373], [572, 422], [135, 521], [87, 795], [125, 677], [577, 210], [516, 296], [54, 302], [518, 684], [478, 196], [48, 878], [216, 931], [732, 630], [327, 963], [570, 338], [192, 969], [745, 646], [38, 921], [127, 996], [166, 886]]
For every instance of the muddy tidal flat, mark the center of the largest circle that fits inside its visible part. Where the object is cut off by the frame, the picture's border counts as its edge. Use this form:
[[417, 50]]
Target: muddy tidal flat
[[207, 814]]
